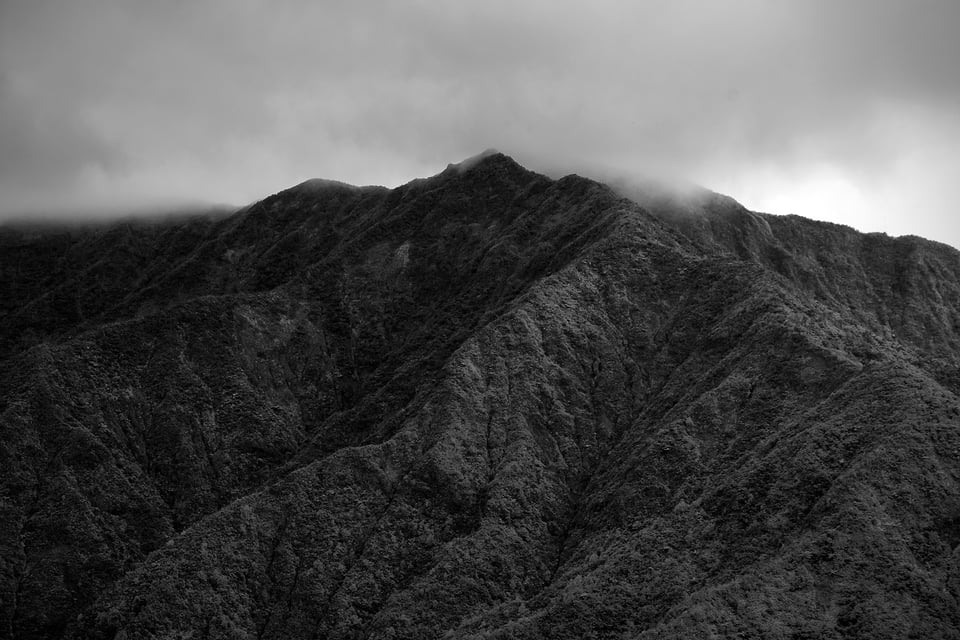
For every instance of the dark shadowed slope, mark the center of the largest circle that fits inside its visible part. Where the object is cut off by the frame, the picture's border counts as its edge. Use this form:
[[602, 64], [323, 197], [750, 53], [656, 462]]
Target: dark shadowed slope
[[481, 405]]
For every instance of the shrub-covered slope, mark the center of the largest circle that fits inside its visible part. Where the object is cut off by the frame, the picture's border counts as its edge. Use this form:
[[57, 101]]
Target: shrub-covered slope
[[481, 405]]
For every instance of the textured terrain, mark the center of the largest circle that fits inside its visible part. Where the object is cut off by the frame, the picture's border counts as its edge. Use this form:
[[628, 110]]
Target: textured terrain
[[486, 404]]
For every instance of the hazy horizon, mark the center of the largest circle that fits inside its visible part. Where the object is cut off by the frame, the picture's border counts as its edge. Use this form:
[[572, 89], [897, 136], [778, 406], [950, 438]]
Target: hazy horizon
[[847, 112]]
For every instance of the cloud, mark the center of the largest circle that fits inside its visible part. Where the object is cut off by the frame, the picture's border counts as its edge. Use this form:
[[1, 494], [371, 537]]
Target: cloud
[[227, 101]]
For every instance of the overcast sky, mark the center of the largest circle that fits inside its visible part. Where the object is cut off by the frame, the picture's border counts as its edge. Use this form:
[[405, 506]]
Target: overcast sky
[[844, 110]]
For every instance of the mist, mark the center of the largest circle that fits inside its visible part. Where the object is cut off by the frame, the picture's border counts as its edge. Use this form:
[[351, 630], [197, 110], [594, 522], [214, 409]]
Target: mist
[[848, 112]]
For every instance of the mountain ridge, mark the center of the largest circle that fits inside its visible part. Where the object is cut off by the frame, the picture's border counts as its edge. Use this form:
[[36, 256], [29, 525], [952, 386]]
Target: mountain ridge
[[482, 404]]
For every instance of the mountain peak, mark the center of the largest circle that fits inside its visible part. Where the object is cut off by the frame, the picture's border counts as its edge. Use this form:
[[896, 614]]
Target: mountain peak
[[321, 184], [486, 156]]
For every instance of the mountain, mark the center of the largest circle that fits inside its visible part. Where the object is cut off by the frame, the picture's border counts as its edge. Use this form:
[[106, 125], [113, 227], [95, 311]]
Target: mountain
[[485, 404]]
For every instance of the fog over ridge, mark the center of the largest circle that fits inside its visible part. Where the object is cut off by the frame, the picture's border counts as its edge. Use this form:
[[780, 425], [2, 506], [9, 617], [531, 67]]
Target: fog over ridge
[[848, 112]]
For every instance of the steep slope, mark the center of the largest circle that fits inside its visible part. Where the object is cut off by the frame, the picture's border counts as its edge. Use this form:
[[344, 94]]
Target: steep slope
[[201, 376], [901, 288], [485, 405]]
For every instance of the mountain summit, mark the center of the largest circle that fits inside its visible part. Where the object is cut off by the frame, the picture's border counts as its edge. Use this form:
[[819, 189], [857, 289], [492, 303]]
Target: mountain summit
[[486, 404]]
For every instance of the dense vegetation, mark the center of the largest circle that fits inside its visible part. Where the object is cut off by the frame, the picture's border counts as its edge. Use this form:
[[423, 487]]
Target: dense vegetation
[[482, 405]]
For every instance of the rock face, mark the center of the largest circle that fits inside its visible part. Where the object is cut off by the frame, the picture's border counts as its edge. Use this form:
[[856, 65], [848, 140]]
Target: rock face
[[485, 404]]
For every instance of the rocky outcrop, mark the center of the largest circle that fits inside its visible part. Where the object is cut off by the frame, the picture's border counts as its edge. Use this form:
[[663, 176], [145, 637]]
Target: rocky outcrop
[[482, 405]]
